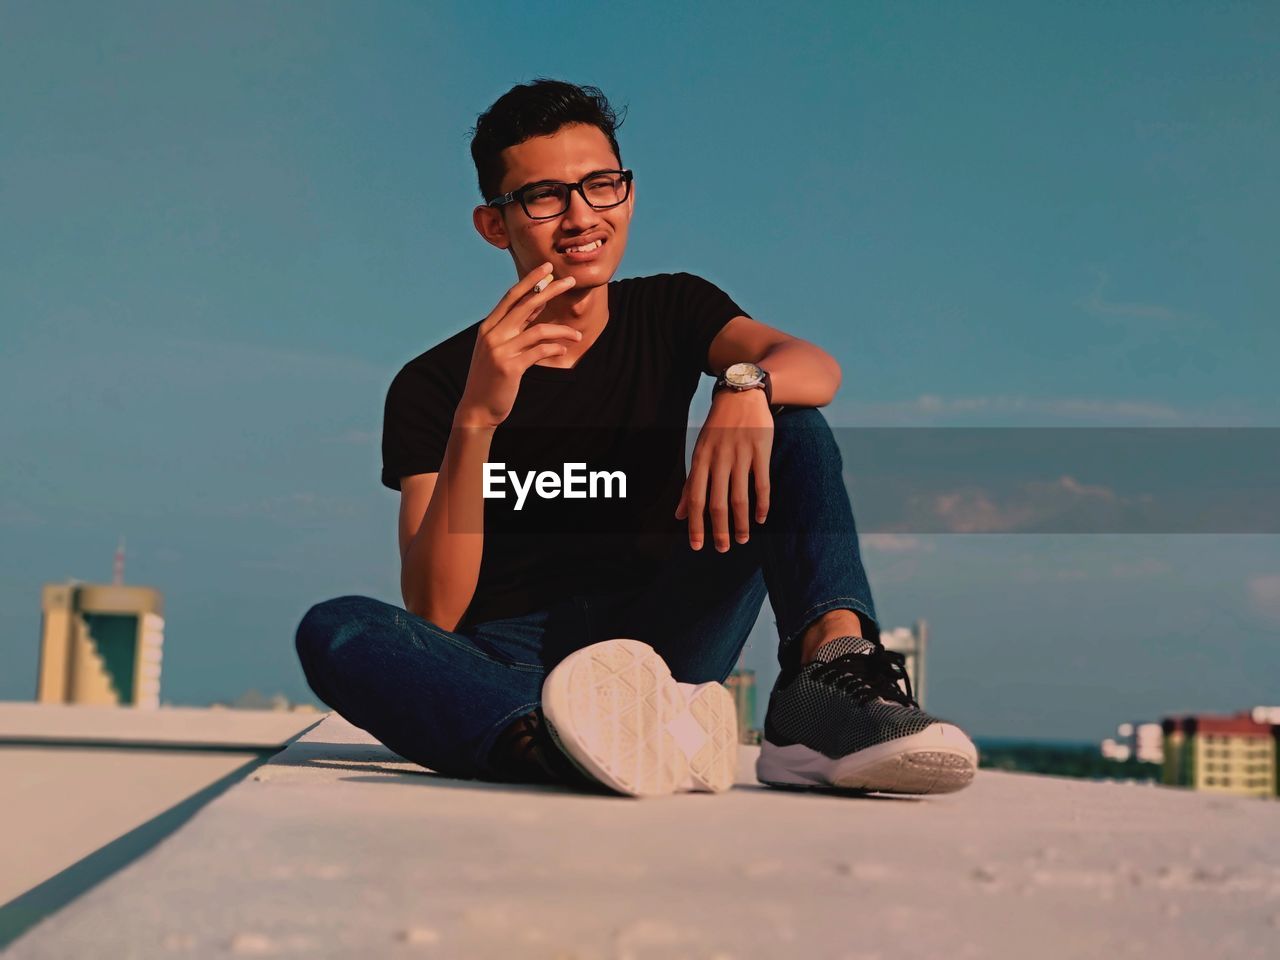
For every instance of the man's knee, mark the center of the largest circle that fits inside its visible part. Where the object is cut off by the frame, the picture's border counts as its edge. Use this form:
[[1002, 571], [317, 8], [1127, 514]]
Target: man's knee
[[804, 429], [324, 626], [793, 419]]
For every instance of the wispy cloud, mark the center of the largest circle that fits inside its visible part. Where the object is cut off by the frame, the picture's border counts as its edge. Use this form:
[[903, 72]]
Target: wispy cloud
[[14, 514], [1043, 571], [355, 438], [896, 543], [251, 359], [1139, 569], [1163, 128], [927, 409], [1264, 594], [1097, 303], [1063, 502], [268, 565], [302, 505], [1127, 410]]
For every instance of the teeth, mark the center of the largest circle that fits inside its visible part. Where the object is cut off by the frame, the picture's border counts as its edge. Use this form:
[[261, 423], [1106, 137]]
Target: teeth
[[594, 245]]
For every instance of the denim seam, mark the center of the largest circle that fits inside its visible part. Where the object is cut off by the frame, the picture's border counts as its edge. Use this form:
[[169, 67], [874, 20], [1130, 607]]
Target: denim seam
[[526, 667], [830, 604]]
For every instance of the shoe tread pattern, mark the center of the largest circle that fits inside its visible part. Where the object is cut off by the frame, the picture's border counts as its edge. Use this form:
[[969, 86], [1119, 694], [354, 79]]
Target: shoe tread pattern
[[918, 772], [715, 765], [622, 696]]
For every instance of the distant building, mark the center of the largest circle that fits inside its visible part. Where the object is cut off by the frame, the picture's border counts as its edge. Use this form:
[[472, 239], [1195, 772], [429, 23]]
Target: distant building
[[1148, 743], [1136, 741], [1225, 754], [100, 644], [1113, 749], [742, 684], [913, 642]]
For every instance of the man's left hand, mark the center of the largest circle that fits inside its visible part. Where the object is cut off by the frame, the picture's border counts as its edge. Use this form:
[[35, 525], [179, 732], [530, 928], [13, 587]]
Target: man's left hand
[[733, 446]]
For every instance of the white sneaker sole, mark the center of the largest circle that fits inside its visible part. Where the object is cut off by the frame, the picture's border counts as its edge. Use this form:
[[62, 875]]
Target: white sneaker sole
[[938, 759], [712, 745], [621, 717]]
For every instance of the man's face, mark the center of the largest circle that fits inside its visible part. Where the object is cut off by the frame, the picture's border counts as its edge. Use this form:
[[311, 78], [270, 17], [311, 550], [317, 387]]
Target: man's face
[[568, 155]]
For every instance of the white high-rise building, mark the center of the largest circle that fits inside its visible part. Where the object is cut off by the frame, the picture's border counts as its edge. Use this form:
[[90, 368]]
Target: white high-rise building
[[1148, 743], [913, 642], [1140, 741]]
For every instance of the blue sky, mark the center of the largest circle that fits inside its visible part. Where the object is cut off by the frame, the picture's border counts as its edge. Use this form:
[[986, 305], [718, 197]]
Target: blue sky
[[223, 228]]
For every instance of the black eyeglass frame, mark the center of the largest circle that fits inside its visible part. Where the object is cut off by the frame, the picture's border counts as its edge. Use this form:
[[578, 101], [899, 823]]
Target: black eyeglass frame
[[518, 194]]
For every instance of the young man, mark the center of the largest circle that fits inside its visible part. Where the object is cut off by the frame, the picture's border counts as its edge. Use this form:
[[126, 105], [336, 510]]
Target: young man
[[580, 638]]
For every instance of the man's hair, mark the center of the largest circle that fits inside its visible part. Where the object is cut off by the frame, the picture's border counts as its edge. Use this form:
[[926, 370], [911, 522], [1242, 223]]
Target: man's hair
[[536, 109]]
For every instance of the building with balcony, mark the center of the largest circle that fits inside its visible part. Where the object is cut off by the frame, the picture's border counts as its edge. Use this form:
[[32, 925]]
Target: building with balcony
[[100, 644], [1224, 754]]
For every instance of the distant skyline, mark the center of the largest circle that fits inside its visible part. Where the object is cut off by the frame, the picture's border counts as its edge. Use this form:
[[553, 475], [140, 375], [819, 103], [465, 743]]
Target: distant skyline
[[223, 229]]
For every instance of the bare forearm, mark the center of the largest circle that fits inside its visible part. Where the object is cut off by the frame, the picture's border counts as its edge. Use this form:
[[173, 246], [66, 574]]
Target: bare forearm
[[441, 566], [801, 374]]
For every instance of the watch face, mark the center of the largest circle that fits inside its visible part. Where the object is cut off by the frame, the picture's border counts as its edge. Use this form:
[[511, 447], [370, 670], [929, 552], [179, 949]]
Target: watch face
[[743, 374]]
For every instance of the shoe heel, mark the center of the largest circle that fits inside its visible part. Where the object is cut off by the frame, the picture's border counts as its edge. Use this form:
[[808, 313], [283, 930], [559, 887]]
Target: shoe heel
[[610, 706], [713, 763]]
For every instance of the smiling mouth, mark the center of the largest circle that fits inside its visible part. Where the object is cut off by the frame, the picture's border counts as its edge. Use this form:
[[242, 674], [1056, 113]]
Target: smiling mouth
[[588, 248]]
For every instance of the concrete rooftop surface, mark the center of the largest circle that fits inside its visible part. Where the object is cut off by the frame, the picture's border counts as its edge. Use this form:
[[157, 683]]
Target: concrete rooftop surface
[[34, 724], [338, 848], [84, 788]]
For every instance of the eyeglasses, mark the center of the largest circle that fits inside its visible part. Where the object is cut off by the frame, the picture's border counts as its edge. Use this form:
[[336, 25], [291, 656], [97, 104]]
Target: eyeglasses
[[545, 199]]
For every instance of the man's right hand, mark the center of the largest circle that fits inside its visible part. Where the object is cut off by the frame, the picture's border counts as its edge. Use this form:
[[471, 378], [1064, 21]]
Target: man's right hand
[[507, 344]]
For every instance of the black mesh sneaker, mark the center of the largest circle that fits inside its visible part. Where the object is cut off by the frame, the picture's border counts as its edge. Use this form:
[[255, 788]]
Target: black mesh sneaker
[[847, 720]]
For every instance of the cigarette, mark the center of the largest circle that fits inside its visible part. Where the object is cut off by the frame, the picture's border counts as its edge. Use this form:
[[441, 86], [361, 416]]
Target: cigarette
[[543, 283]]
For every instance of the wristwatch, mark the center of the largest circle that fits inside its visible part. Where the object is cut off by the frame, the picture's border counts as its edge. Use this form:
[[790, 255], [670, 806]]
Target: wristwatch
[[745, 376]]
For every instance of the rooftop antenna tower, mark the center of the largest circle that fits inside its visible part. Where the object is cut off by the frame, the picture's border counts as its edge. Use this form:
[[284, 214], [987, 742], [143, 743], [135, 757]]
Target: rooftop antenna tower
[[117, 571]]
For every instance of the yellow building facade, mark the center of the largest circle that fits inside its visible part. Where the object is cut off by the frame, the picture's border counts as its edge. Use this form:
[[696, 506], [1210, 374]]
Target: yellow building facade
[[1221, 754], [100, 644]]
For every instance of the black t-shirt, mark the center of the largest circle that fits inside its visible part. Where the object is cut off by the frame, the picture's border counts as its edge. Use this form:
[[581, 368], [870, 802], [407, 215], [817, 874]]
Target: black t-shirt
[[623, 407]]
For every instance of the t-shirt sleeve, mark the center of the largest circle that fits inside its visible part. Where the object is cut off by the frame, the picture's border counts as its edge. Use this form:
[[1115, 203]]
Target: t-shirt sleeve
[[706, 309], [416, 422]]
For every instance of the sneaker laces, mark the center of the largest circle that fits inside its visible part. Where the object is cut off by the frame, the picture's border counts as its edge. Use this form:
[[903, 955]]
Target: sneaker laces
[[876, 673]]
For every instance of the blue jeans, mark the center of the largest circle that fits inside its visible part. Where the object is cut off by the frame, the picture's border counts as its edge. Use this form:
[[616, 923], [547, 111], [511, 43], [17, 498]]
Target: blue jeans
[[440, 698]]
